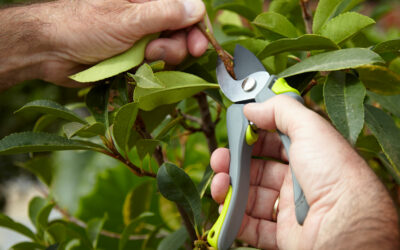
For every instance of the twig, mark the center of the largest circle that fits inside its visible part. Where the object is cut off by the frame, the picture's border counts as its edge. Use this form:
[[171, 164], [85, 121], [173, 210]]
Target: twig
[[307, 16], [207, 125], [188, 224], [102, 232], [309, 87], [190, 117], [226, 58], [218, 118]]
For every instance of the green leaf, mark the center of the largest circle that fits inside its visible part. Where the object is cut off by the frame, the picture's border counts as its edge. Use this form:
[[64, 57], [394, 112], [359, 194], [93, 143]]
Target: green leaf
[[87, 131], [35, 206], [347, 5], [169, 213], [43, 122], [392, 169], [56, 232], [151, 240], [117, 64], [345, 26], [107, 196], [26, 142], [276, 23], [283, 7], [174, 240], [334, 60], [380, 79], [242, 7], [27, 246], [93, 229], [175, 185], [41, 167], [168, 127], [391, 46], [252, 44], [325, 10], [130, 229], [43, 216], [137, 201], [51, 108], [302, 43], [205, 181], [344, 99], [146, 79], [123, 125], [233, 30], [387, 133], [178, 86], [390, 103], [146, 147], [152, 119], [97, 103], [7, 222]]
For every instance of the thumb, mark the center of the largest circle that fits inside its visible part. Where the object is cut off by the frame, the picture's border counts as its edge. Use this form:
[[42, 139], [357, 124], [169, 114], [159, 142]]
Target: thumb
[[156, 16]]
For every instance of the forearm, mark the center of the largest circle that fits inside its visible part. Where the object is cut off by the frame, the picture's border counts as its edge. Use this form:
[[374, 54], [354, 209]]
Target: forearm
[[24, 44]]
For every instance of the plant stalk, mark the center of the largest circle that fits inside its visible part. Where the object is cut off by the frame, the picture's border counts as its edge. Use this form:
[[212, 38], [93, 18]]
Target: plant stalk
[[307, 16], [207, 125]]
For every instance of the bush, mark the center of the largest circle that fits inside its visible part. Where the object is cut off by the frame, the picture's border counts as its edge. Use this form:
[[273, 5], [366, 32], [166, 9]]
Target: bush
[[143, 130]]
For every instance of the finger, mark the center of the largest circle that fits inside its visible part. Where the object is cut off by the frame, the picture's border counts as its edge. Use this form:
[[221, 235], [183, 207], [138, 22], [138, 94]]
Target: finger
[[258, 233], [220, 160], [172, 50], [220, 187], [261, 202], [269, 145], [156, 16], [197, 43], [267, 174]]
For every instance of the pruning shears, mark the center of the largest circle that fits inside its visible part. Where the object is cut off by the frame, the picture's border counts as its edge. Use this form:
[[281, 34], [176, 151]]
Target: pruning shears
[[255, 84]]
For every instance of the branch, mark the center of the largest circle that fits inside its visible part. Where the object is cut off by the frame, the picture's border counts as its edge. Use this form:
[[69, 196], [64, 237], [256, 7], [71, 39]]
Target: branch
[[207, 125], [226, 58], [307, 16]]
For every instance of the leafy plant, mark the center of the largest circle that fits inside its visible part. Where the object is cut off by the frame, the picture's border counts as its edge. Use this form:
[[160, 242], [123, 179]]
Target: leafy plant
[[158, 127]]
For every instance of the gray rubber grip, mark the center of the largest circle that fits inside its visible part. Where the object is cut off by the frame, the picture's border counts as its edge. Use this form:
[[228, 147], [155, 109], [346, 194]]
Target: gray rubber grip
[[301, 204], [239, 172]]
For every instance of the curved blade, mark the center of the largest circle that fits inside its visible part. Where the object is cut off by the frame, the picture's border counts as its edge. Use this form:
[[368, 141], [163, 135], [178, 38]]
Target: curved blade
[[246, 63]]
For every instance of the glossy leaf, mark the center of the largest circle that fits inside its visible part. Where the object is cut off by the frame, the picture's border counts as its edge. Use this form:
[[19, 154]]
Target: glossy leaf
[[146, 79], [174, 240], [117, 64], [175, 185], [27, 246], [97, 103], [130, 229], [93, 229], [390, 103], [178, 86], [380, 79], [386, 132], [276, 23], [391, 46], [345, 26], [51, 108], [137, 201], [41, 166], [26, 142], [233, 30], [35, 206], [123, 125], [146, 147], [344, 99], [334, 60], [302, 43], [283, 6], [7, 222], [242, 7], [87, 131], [43, 216], [325, 10]]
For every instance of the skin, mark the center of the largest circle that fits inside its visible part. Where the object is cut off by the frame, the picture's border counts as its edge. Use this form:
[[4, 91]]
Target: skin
[[53, 40], [349, 206]]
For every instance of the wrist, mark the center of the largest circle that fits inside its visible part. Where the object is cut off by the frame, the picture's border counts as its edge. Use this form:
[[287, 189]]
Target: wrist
[[27, 47]]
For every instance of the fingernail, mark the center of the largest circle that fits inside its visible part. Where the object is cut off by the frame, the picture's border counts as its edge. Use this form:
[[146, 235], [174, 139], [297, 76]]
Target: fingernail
[[193, 8]]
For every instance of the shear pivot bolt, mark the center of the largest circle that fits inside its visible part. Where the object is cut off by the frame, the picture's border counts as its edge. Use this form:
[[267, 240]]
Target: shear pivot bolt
[[249, 84]]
